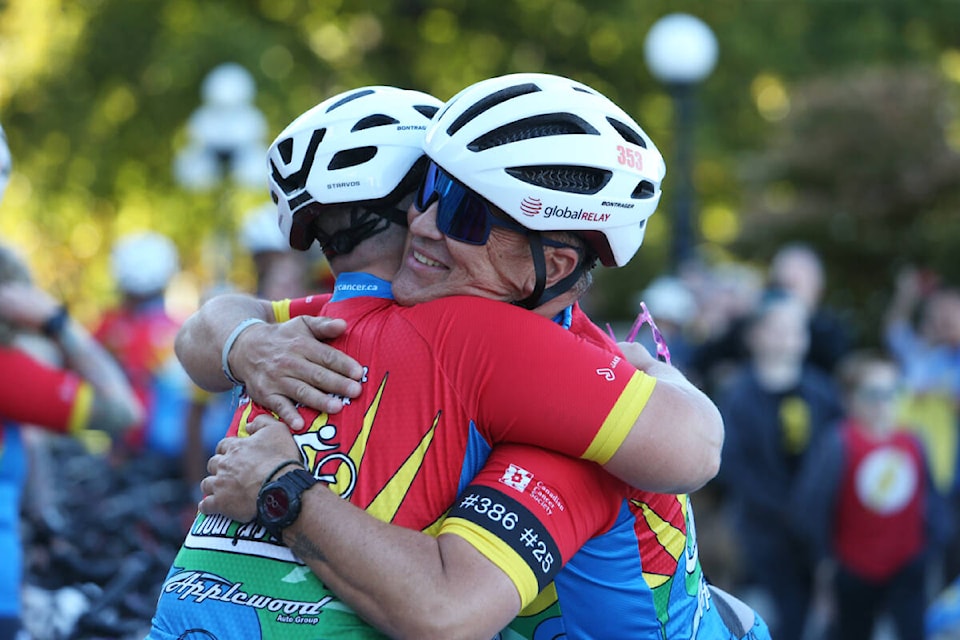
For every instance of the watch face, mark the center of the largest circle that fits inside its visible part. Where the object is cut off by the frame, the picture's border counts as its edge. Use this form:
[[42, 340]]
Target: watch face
[[276, 503]]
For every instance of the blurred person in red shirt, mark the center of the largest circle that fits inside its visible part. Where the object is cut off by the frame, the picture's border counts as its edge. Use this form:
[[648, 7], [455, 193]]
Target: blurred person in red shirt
[[140, 334], [866, 500]]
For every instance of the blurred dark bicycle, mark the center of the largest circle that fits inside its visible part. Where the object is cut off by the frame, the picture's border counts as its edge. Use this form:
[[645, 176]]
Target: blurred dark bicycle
[[95, 559]]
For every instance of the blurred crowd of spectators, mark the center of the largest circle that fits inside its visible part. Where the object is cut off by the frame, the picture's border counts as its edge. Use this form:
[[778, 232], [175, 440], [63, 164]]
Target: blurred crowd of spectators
[[836, 506]]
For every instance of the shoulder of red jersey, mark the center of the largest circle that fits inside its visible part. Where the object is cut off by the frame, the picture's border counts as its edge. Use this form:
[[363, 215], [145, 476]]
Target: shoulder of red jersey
[[476, 311], [583, 326]]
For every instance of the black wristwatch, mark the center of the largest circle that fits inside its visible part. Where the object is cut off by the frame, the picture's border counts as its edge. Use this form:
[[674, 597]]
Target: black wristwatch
[[278, 503]]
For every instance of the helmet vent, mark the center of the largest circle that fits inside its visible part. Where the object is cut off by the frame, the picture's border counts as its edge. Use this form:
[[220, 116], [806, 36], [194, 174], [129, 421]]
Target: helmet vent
[[351, 157], [349, 98], [489, 102], [376, 120], [627, 133], [297, 179], [644, 190], [427, 110], [286, 150], [552, 124], [580, 180]]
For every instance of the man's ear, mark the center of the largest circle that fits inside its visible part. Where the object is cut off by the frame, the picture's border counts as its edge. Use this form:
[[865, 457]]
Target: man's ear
[[560, 262]]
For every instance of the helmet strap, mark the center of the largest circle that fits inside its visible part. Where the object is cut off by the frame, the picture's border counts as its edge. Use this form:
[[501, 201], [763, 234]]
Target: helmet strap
[[364, 223], [394, 215], [540, 271], [541, 294]]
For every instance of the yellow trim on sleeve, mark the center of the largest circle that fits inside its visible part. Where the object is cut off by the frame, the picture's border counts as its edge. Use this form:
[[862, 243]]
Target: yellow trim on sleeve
[[499, 553], [621, 418], [281, 309], [82, 407]]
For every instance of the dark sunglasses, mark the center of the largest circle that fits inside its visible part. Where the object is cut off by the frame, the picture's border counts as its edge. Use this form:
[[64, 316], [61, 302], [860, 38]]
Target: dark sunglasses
[[461, 214]]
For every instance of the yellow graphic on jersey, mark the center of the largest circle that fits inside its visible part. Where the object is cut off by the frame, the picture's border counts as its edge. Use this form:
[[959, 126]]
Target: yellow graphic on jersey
[[320, 447], [384, 506], [660, 560]]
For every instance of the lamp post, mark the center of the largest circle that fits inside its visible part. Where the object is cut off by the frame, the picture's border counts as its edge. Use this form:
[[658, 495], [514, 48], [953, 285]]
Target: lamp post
[[225, 146], [681, 51]]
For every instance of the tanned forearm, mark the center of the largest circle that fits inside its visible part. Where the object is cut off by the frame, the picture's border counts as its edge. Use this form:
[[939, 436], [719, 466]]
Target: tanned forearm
[[377, 584], [115, 406], [200, 341], [369, 564], [280, 364], [679, 434]]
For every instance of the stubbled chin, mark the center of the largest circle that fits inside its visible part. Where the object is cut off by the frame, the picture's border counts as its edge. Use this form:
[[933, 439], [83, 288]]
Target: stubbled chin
[[406, 291]]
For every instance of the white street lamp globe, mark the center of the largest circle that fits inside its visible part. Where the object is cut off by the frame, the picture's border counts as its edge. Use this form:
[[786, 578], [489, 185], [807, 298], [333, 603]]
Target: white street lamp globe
[[225, 128], [226, 133], [229, 84], [680, 49]]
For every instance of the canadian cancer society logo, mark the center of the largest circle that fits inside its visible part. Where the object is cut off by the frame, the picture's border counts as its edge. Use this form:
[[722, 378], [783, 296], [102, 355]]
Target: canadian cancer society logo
[[531, 206]]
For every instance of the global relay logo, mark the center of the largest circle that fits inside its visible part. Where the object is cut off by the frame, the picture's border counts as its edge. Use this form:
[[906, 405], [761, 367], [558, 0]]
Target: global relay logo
[[531, 206]]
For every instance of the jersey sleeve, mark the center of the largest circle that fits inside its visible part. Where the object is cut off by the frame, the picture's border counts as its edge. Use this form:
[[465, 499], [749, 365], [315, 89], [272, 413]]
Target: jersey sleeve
[[37, 394], [529, 511], [528, 381], [283, 310]]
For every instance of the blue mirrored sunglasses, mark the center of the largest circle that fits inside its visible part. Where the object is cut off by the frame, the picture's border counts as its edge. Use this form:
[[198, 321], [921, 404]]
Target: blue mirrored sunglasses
[[461, 214]]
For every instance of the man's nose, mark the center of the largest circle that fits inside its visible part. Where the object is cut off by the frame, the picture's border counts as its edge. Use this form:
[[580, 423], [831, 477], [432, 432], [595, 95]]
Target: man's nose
[[424, 223]]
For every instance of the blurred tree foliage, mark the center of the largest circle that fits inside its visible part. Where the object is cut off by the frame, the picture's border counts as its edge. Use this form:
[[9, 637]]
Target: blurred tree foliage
[[95, 95], [864, 167]]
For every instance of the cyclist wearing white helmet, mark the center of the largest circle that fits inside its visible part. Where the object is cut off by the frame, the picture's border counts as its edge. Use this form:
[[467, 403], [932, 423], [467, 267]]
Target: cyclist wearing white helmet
[[428, 503], [326, 150], [508, 155], [140, 334]]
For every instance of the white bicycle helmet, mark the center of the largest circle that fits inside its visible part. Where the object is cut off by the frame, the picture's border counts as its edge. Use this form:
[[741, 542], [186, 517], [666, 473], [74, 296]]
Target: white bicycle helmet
[[6, 162], [555, 155], [361, 147], [144, 263]]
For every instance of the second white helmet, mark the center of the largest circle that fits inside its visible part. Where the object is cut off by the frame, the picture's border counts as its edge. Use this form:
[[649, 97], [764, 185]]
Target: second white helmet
[[144, 263], [359, 147], [555, 155]]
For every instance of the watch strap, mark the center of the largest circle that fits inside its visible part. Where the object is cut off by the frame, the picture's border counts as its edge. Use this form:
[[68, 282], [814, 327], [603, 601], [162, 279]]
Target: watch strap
[[299, 478]]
